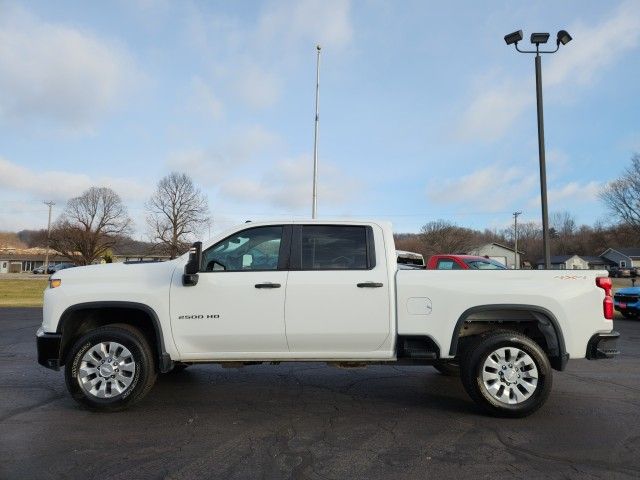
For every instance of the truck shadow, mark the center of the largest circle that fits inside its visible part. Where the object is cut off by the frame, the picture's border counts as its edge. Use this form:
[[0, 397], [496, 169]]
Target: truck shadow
[[317, 388]]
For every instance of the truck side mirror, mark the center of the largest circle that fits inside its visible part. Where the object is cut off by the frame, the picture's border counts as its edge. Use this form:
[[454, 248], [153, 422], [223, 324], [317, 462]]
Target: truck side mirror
[[191, 269]]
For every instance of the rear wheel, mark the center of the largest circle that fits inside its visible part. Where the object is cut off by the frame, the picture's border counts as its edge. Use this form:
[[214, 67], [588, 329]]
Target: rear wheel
[[110, 368], [507, 374]]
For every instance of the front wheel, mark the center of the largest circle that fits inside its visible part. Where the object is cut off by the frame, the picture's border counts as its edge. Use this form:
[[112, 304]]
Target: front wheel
[[110, 368], [507, 374]]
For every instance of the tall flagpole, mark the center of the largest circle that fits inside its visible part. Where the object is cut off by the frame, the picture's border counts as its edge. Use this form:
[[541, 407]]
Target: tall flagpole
[[314, 208]]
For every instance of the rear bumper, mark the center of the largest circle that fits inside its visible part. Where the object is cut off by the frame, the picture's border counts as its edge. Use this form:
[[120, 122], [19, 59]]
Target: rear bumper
[[603, 345], [48, 345]]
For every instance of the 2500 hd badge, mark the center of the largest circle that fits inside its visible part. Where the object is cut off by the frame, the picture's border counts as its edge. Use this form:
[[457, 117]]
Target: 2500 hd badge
[[197, 317]]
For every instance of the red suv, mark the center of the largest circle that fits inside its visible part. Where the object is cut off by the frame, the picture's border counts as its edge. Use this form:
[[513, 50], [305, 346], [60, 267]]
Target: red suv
[[463, 262]]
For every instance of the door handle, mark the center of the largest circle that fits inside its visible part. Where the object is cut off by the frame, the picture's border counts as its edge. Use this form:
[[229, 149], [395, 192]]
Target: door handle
[[267, 285], [370, 285]]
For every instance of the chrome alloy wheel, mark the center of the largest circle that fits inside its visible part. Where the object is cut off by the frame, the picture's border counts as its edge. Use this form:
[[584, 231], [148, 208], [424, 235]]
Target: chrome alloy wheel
[[106, 370], [509, 375]]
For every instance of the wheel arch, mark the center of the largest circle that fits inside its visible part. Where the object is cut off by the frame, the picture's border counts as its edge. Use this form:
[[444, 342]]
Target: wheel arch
[[516, 314], [80, 318]]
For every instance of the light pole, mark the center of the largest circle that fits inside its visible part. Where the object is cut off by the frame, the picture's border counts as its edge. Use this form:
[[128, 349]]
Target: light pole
[[537, 39], [515, 239], [46, 257], [314, 207]]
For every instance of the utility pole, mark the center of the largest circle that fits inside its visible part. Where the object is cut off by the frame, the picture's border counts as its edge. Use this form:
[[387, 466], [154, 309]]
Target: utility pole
[[314, 207], [46, 258], [515, 236]]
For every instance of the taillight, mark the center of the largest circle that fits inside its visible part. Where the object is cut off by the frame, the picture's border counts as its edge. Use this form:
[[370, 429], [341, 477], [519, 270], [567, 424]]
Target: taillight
[[607, 303]]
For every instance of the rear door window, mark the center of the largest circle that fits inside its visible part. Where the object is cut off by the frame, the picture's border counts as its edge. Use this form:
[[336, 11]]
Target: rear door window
[[335, 247]]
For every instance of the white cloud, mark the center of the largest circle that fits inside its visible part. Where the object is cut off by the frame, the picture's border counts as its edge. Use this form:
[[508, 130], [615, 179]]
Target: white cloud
[[60, 185], [255, 60], [493, 112], [203, 100], [595, 47], [490, 189], [323, 21], [258, 87], [210, 165], [289, 185], [58, 74], [571, 193]]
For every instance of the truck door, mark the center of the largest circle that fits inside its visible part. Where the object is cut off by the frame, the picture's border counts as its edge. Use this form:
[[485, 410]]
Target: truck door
[[237, 307], [338, 291]]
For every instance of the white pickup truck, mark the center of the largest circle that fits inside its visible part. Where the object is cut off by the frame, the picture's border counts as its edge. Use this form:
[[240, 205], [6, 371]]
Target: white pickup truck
[[327, 291]]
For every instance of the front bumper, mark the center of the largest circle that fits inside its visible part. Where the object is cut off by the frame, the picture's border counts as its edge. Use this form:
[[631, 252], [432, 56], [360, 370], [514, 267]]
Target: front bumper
[[603, 345], [49, 349]]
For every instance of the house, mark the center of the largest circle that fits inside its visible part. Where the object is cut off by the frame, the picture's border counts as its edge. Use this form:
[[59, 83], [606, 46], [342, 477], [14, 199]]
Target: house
[[17, 260], [598, 263], [565, 262], [576, 262], [623, 257], [498, 252]]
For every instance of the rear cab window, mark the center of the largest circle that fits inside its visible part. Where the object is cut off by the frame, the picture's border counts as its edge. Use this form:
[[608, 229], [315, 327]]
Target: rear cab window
[[333, 247]]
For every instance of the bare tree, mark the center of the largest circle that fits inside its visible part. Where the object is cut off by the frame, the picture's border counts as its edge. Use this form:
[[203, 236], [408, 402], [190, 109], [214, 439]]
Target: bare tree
[[90, 224], [562, 231], [440, 236], [622, 196], [177, 210]]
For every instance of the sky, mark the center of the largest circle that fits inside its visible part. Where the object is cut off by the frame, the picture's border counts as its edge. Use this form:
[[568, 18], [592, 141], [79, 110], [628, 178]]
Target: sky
[[425, 113]]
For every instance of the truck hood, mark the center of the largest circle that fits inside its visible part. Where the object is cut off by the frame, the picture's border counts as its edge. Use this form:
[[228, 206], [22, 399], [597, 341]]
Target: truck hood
[[110, 272]]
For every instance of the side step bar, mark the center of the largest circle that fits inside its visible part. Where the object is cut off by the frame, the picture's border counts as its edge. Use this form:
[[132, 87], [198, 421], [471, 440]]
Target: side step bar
[[417, 347]]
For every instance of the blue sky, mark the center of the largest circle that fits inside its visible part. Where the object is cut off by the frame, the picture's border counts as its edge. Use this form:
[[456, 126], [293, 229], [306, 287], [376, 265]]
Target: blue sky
[[425, 112]]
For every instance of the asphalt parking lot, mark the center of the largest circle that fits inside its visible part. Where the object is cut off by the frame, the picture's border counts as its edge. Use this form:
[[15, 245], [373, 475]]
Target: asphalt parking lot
[[310, 421]]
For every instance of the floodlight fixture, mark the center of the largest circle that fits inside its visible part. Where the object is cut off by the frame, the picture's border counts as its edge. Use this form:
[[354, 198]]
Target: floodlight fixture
[[514, 37], [538, 38], [563, 37]]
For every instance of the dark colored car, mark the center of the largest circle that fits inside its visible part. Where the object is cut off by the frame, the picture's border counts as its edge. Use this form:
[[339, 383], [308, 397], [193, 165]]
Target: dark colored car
[[40, 270], [620, 272], [62, 266], [627, 302]]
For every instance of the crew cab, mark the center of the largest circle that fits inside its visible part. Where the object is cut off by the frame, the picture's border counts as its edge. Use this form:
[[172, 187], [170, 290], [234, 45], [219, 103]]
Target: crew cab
[[322, 291]]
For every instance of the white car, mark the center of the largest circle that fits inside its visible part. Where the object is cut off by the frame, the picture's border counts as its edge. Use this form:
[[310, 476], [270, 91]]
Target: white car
[[326, 291]]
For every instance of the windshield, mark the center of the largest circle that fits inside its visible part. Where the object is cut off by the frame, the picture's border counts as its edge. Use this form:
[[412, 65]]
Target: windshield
[[485, 264]]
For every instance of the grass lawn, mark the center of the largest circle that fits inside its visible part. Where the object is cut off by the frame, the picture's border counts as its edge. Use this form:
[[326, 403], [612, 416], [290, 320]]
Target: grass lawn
[[22, 292]]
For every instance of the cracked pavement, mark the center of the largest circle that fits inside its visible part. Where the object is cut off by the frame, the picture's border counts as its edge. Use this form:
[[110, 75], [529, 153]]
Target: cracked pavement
[[306, 420]]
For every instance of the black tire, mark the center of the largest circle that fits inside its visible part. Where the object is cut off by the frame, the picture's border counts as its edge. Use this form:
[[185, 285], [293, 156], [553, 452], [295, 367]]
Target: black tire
[[142, 379], [471, 373], [448, 368]]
